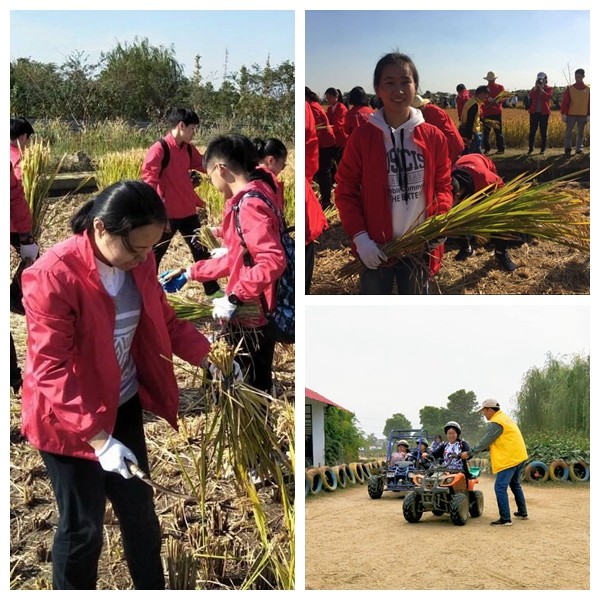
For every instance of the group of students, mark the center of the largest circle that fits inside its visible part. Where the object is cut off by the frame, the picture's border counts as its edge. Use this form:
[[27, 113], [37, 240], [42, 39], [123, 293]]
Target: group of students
[[406, 162], [81, 403]]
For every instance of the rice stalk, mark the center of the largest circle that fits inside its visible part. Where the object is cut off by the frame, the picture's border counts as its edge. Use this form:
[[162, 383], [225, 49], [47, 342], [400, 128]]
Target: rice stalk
[[192, 310], [548, 211], [117, 166], [206, 237], [182, 566]]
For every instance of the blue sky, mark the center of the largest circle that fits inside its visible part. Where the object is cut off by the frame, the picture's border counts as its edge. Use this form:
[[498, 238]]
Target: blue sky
[[248, 36], [448, 47]]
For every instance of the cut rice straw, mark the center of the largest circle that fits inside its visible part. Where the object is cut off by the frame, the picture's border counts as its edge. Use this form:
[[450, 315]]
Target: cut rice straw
[[548, 211], [192, 310]]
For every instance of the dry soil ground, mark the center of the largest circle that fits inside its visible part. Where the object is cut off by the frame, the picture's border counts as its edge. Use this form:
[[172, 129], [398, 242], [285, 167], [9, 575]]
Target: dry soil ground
[[353, 542]]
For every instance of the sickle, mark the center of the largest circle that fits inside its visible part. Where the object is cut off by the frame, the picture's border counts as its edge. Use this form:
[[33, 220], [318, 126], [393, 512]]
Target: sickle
[[140, 474]]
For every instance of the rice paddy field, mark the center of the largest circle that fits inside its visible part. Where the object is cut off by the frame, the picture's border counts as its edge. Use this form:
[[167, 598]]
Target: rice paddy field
[[543, 267], [234, 535]]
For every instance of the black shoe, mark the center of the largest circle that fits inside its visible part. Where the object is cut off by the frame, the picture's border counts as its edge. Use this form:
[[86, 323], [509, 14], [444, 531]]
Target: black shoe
[[530, 151], [568, 151], [542, 151], [16, 385], [464, 253], [501, 522], [578, 151], [16, 307], [505, 262], [521, 515]]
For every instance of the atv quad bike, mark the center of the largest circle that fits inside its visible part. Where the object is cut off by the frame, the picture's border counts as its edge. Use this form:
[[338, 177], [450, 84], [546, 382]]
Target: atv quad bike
[[441, 490], [397, 476]]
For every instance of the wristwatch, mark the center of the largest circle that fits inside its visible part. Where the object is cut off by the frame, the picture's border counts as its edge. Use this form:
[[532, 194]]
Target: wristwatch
[[233, 299]]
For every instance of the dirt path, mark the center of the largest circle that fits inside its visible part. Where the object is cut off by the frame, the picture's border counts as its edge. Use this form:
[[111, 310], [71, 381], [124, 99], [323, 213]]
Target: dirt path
[[353, 542]]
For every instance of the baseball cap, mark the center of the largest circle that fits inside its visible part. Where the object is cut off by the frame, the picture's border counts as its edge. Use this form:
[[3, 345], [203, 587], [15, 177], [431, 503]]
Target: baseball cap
[[489, 404]]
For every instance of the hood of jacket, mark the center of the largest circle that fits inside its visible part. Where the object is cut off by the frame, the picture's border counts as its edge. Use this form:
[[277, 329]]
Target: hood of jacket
[[415, 119]]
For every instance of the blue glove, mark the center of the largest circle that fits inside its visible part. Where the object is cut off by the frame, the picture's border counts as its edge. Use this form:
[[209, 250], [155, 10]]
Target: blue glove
[[173, 280]]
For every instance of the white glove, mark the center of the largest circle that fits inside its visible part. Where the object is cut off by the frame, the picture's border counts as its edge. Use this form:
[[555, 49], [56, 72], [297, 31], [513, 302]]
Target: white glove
[[564, 118], [112, 457], [223, 309], [370, 253], [30, 251], [218, 252], [217, 374]]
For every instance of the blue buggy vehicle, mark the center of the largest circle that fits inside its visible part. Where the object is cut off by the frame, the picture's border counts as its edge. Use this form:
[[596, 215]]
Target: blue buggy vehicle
[[397, 476]]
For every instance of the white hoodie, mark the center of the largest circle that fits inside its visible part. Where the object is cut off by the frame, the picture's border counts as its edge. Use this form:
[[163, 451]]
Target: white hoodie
[[405, 168]]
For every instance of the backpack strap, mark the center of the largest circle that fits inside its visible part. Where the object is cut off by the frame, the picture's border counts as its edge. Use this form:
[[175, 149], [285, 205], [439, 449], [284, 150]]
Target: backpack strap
[[167, 155], [248, 260]]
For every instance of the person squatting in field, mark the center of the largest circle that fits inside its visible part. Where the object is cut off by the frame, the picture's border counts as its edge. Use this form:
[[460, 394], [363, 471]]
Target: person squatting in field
[[100, 334], [508, 454], [252, 264], [21, 223], [472, 173], [394, 173], [175, 186]]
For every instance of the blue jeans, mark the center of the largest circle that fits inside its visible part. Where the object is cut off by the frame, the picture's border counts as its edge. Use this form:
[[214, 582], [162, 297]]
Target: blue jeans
[[505, 479], [475, 145], [410, 278]]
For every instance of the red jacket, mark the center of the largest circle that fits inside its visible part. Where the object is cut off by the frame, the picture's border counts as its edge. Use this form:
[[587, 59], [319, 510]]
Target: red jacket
[[20, 215], [481, 169], [174, 186], [314, 217], [493, 108], [461, 100], [545, 96], [362, 194], [438, 117], [15, 161], [72, 376], [324, 130], [337, 118], [260, 227], [357, 116]]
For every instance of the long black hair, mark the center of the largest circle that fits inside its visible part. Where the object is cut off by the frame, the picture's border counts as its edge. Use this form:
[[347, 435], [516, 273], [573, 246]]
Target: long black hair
[[240, 155], [122, 207], [270, 147]]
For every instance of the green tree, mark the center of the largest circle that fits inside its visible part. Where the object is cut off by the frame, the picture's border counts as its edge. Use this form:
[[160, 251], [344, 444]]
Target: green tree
[[343, 438], [433, 419], [33, 89], [396, 421], [463, 407]]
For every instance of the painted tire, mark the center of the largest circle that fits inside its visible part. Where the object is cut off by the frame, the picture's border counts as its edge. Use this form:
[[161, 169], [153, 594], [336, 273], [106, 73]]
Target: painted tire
[[316, 481], [307, 485], [579, 471], [366, 469], [537, 472], [559, 470], [350, 476], [330, 481], [359, 474], [340, 473]]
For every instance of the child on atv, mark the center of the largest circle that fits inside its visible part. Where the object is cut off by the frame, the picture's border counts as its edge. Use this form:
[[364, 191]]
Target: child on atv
[[449, 452], [400, 454]]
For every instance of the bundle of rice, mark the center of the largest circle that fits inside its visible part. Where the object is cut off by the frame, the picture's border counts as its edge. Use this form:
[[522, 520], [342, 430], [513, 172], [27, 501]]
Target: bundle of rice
[[549, 211], [192, 310]]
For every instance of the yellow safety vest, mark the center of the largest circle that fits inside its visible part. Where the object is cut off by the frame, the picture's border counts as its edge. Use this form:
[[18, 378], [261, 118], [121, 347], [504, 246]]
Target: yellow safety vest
[[579, 101], [509, 449]]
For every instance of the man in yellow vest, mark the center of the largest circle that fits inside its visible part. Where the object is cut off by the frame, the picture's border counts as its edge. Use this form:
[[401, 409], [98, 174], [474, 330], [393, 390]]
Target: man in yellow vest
[[575, 110], [507, 456]]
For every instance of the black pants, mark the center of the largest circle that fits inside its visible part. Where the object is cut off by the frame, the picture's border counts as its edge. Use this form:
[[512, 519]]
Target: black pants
[[409, 274], [538, 120], [309, 266], [256, 354], [16, 294], [323, 176], [16, 379], [186, 226], [81, 487], [497, 132]]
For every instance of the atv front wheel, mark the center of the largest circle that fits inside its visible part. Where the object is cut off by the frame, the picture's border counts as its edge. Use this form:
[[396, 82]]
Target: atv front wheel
[[412, 507], [476, 504], [375, 487], [459, 509]]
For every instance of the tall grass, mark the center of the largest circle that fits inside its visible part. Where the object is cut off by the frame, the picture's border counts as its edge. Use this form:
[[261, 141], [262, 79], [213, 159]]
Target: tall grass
[[115, 166]]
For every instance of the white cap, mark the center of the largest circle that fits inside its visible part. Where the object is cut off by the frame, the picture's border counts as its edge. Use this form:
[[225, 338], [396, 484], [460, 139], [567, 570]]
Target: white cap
[[541, 75]]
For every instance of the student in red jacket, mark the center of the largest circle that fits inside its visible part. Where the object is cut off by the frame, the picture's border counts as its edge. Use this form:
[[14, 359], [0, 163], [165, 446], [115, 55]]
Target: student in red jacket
[[472, 173], [360, 110], [336, 113], [395, 172], [539, 110], [462, 96], [575, 110], [438, 117], [314, 218], [326, 137], [174, 185], [253, 269], [492, 111], [100, 332], [272, 157]]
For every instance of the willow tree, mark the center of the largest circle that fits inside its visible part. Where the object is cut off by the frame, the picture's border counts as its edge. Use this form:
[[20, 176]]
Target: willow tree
[[556, 397]]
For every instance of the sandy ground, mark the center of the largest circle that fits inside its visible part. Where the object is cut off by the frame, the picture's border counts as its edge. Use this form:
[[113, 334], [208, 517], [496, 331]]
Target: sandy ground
[[353, 542]]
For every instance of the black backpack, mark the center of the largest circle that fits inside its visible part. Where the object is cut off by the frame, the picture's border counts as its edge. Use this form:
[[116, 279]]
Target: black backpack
[[167, 155], [281, 321]]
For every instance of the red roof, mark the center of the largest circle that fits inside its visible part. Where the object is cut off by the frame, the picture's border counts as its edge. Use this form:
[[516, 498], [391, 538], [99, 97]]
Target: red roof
[[314, 396]]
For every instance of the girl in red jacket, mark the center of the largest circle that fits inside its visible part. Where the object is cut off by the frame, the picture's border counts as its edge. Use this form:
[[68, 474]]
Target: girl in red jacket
[[99, 328], [336, 113], [394, 173], [360, 112], [539, 110], [252, 264], [272, 156]]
